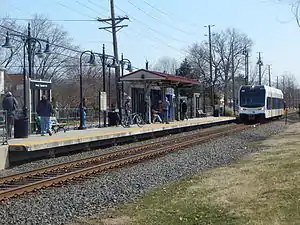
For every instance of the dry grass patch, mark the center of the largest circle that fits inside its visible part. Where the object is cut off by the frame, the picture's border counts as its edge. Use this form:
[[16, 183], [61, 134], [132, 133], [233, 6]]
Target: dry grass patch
[[263, 188]]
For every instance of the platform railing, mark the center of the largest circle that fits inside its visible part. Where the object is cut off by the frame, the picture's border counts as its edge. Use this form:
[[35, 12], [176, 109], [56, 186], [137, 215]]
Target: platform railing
[[71, 117]]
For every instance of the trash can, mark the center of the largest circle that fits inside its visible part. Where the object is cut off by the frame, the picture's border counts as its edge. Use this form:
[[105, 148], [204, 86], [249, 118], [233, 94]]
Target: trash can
[[113, 118], [21, 127], [216, 113]]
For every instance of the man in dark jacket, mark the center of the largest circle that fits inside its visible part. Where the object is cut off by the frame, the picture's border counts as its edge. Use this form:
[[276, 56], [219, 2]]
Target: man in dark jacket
[[10, 104], [45, 110], [183, 109]]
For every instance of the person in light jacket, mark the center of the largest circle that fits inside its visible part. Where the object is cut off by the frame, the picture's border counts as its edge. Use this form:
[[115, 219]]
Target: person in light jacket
[[165, 108], [45, 110]]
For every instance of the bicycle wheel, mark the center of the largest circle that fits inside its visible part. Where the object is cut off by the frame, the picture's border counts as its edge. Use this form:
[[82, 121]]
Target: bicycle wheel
[[139, 121]]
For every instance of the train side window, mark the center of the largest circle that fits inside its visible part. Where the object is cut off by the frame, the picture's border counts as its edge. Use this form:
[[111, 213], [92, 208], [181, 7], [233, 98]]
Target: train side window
[[269, 103], [275, 103]]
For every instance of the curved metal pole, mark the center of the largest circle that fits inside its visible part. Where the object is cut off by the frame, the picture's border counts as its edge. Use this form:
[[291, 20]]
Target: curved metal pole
[[122, 62], [81, 95], [24, 82], [81, 110]]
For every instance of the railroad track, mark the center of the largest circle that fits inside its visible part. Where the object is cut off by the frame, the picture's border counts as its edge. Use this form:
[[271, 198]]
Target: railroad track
[[22, 183]]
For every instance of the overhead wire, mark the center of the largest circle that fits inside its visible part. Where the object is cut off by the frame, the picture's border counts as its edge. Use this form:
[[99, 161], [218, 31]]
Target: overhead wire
[[55, 20], [67, 7], [166, 14], [148, 28], [150, 15], [152, 38]]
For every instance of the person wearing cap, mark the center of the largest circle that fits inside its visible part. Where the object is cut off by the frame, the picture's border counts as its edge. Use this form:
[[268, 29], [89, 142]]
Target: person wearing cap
[[10, 104], [44, 110]]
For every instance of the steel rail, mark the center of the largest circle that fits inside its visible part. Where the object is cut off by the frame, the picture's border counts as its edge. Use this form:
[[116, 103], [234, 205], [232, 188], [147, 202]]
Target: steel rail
[[96, 159], [79, 173]]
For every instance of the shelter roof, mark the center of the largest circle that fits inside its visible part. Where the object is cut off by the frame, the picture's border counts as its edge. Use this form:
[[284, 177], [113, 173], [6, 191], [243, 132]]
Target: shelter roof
[[148, 75]]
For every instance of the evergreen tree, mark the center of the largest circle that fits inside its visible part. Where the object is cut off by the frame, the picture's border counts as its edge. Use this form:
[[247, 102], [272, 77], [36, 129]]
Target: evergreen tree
[[185, 69]]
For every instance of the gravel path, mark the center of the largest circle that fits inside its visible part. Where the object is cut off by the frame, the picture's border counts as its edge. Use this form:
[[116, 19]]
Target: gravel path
[[61, 205]]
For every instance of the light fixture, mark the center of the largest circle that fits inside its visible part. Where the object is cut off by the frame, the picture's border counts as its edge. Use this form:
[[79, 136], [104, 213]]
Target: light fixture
[[92, 61], [129, 67], [7, 42], [47, 48], [39, 53], [114, 64]]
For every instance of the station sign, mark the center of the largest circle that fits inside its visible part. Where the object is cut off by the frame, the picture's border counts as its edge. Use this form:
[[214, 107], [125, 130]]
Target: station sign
[[40, 85]]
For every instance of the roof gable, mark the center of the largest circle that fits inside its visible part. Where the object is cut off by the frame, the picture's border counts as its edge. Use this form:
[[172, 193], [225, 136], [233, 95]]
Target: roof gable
[[143, 74]]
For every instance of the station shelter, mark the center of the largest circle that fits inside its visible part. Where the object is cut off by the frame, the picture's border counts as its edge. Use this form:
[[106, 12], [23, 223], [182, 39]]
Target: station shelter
[[148, 88]]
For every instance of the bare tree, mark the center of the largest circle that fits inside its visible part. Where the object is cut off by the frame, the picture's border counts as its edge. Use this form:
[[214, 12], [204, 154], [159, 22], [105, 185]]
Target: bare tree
[[56, 64], [10, 57], [166, 64], [226, 45]]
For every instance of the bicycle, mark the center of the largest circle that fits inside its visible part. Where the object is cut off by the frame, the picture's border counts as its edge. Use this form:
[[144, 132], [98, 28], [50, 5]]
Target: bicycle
[[129, 120]]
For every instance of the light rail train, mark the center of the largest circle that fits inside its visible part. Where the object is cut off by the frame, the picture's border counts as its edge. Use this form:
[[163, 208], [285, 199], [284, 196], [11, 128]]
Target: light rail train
[[260, 102]]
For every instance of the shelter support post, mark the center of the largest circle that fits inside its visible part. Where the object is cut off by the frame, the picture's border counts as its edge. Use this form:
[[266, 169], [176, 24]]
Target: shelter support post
[[147, 101], [177, 100]]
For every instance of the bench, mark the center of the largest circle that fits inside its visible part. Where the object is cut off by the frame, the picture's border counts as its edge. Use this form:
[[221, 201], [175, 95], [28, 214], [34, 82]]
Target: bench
[[56, 126], [200, 113]]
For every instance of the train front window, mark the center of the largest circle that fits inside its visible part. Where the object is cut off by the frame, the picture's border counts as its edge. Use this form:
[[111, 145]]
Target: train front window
[[252, 98]]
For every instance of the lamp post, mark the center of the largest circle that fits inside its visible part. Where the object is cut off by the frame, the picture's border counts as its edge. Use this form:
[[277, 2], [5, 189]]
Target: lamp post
[[104, 59], [129, 68], [28, 41], [92, 62]]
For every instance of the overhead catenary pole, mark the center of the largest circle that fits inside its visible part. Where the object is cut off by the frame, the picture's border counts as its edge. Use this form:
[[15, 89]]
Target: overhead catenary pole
[[246, 53], [147, 65], [116, 54], [233, 80], [277, 83], [113, 25], [210, 67], [269, 70], [260, 64], [104, 81]]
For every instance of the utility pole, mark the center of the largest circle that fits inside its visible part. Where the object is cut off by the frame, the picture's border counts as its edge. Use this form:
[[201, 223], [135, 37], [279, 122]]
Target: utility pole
[[104, 81], [246, 54], [210, 68], [113, 25], [233, 82], [259, 63], [147, 65], [269, 69], [277, 83]]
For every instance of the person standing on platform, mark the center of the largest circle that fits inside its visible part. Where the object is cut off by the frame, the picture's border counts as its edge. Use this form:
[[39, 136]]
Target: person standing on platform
[[128, 109], [183, 109], [165, 107], [9, 104], [84, 111], [45, 110]]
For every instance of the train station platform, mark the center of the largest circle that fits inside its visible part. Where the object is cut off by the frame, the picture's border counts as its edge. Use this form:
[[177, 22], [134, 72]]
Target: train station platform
[[74, 140]]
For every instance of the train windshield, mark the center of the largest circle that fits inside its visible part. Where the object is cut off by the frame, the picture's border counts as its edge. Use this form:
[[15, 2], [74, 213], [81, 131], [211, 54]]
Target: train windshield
[[252, 98]]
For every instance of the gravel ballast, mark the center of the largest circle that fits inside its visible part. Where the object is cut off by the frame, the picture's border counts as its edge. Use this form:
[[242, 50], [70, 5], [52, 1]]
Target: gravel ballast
[[61, 205]]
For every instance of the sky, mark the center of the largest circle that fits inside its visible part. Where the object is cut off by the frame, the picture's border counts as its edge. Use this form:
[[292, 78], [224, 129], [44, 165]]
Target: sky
[[168, 28]]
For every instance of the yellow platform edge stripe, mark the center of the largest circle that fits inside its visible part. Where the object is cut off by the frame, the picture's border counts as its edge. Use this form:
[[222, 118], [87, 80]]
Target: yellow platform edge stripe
[[126, 130]]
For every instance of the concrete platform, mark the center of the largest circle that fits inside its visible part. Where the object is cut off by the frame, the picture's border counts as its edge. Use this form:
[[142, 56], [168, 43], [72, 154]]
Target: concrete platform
[[37, 146], [37, 142]]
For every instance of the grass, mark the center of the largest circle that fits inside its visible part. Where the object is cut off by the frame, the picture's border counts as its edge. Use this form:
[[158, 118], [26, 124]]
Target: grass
[[263, 188]]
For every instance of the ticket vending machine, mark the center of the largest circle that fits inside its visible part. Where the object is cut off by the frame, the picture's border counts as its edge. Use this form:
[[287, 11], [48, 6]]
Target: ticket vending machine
[[37, 88]]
